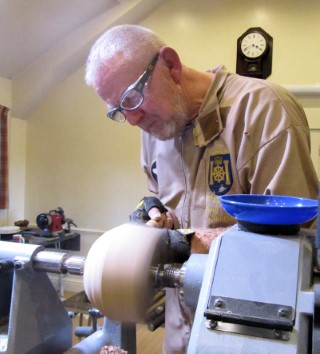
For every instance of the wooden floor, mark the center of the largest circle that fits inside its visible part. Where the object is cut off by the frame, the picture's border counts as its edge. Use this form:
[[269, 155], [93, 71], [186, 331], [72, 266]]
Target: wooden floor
[[147, 341]]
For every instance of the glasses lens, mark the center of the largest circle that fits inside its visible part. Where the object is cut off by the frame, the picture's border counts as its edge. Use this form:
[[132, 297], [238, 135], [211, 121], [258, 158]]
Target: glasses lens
[[132, 99], [116, 115]]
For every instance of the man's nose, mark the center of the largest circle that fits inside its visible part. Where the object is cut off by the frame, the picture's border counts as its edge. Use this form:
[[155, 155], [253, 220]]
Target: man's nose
[[134, 117]]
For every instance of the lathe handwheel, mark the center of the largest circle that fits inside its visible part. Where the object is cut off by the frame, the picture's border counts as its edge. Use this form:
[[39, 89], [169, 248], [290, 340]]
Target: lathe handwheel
[[116, 275]]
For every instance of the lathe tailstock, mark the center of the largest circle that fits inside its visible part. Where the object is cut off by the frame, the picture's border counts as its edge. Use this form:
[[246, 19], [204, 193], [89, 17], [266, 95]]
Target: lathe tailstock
[[33, 319]]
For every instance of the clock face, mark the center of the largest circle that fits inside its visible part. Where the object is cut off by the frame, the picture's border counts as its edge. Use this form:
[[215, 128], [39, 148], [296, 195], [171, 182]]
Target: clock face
[[253, 45]]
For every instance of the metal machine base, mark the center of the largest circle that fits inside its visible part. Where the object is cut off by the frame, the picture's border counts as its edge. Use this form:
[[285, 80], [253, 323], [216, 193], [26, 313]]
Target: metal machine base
[[256, 295], [33, 318]]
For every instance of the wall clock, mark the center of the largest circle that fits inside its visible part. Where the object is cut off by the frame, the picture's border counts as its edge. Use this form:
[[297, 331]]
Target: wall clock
[[254, 53]]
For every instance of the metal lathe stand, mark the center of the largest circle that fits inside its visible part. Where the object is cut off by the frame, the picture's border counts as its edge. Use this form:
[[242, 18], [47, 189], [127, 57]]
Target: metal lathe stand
[[33, 318]]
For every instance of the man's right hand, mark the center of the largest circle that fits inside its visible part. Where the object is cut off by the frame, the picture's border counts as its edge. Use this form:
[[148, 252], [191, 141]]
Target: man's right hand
[[152, 212], [160, 220]]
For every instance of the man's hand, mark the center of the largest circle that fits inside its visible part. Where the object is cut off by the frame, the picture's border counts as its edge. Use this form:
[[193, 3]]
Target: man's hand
[[160, 220], [152, 212], [173, 247], [201, 240]]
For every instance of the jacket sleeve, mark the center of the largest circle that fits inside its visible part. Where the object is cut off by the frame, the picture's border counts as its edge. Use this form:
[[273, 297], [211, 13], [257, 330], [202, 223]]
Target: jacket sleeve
[[276, 157]]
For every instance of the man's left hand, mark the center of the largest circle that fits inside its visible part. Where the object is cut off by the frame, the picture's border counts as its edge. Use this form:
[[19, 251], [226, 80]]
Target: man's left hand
[[201, 240]]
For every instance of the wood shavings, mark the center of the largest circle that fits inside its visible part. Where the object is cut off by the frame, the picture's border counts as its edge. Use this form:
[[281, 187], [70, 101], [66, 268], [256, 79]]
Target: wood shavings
[[110, 349]]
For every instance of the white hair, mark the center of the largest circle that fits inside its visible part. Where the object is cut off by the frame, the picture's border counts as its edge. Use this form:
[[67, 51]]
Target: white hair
[[129, 42]]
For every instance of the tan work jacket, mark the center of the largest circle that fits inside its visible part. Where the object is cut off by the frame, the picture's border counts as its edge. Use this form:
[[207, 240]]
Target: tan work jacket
[[250, 137]]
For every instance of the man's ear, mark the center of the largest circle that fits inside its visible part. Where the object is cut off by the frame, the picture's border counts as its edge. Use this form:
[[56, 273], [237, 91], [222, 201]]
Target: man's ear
[[172, 61]]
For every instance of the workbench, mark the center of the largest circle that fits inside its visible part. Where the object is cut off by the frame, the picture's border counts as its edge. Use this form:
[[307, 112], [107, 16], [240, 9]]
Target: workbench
[[66, 241]]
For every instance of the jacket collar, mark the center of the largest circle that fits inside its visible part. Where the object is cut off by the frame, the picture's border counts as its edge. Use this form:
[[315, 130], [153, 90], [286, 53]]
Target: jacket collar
[[208, 124]]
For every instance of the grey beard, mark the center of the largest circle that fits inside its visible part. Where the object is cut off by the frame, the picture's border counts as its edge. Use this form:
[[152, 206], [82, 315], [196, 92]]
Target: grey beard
[[177, 124]]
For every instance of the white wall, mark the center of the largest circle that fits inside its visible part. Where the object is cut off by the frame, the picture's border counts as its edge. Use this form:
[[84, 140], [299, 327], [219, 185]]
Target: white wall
[[205, 33], [81, 161], [17, 169]]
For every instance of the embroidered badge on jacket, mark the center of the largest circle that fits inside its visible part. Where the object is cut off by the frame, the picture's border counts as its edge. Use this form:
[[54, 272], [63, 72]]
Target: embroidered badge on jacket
[[220, 173]]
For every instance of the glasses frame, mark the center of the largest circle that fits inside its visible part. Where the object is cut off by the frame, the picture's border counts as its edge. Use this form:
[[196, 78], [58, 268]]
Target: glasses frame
[[138, 86]]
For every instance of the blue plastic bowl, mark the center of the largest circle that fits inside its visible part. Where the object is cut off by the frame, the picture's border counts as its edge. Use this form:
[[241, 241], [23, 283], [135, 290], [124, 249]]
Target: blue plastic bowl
[[269, 209]]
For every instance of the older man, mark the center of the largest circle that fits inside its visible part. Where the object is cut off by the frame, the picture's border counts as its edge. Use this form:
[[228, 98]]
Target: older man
[[204, 134]]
